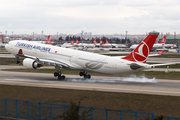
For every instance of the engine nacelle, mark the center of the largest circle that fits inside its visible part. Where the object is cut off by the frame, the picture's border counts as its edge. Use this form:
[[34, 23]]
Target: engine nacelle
[[30, 63]]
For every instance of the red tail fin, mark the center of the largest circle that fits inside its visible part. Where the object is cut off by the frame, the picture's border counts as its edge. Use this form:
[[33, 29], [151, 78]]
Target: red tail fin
[[163, 40], [94, 41], [141, 52], [72, 43], [50, 42], [47, 39], [29, 39], [77, 42], [101, 42], [107, 42]]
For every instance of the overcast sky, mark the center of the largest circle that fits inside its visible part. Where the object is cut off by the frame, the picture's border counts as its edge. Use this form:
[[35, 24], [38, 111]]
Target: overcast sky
[[96, 16]]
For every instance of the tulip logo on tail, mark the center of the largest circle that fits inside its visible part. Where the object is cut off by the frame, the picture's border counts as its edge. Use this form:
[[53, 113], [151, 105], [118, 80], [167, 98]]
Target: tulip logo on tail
[[141, 54]]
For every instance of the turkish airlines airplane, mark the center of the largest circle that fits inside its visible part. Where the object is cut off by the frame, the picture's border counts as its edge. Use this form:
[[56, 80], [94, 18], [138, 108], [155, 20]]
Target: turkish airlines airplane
[[85, 45], [37, 54], [45, 41], [95, 43], [107, 44], [116, 45], [68, 45], [155, 46]]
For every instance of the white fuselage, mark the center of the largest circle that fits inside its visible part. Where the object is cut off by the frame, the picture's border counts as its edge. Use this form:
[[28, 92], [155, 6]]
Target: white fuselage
[[77, 60], [85, 45], [119, 45], [106, 45]]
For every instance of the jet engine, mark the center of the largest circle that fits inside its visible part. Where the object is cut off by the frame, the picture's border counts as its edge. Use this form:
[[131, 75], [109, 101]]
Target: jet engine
[[30, 63]]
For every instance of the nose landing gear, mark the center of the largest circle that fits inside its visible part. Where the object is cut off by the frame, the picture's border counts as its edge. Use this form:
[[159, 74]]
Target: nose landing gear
[[17, 60]]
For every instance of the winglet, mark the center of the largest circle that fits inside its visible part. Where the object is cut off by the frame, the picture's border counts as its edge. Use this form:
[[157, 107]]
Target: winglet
[[141, 52]]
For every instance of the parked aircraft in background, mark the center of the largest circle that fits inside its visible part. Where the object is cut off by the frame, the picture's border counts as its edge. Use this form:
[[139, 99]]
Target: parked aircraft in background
[[116, 45], [68, 45], [50, 42], [44, 42], [85, 45], [104, 44], [37, 54], [96, 44]]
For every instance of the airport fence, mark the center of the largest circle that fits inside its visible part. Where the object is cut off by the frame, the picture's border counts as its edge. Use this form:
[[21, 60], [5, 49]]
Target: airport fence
[[49, 111]]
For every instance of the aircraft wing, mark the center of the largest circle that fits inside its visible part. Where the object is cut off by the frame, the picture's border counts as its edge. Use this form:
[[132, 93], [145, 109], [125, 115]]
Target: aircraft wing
[[61, 63], [135, 66], [157, 54], [155, 65]]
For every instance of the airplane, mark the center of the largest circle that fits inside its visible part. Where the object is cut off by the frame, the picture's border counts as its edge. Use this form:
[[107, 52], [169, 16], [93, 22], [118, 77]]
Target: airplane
[[155, 46], [96, 44], [104, 44], [50, 42], [45, 41], [68, 45], [37, 54], [85, 45], [116, 45]]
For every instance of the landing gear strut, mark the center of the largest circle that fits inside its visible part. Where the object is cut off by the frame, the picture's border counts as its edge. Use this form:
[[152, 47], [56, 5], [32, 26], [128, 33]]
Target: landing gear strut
[[17, 60], [86, 76], [58, 74]]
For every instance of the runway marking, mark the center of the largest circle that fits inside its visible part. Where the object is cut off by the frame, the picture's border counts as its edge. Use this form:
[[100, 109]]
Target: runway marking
[[93, 88]]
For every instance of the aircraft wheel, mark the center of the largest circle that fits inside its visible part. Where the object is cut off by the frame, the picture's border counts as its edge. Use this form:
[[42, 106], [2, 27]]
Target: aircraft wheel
[[17, 62], [56, 74], [81, 73], [61, 77], [88, 76]]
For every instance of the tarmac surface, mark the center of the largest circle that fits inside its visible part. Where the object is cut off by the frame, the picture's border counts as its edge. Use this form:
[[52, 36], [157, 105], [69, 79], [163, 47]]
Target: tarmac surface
[[131, 84]]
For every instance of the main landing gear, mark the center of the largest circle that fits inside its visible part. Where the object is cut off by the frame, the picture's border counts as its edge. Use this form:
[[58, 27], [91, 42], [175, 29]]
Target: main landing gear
[[60, 77], [58, 74], [84, 73]]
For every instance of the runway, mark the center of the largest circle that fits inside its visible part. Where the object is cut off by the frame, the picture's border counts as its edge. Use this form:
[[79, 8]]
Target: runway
[[96, 83]]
